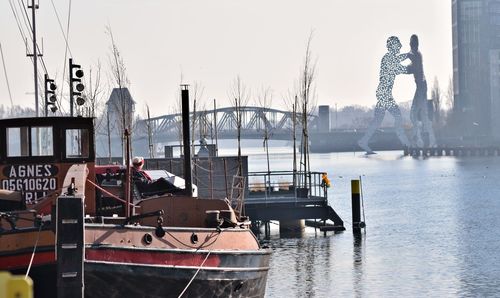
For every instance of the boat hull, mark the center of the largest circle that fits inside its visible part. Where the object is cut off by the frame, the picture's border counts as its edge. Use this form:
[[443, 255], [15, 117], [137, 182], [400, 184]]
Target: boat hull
[[114, 279], [120, 280], [112, 269]]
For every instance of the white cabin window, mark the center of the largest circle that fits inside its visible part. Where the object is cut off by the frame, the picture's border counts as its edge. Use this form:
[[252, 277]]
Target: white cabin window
[[17, 141], [77, 143], [42, 141]]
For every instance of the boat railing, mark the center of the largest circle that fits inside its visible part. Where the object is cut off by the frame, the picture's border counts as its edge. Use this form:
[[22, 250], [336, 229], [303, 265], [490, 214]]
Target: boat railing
[[275, 185]]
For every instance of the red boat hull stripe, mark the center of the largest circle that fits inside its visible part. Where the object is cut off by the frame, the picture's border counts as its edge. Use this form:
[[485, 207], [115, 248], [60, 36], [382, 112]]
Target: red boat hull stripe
[[113, 255], [152, 257], [23, 260]]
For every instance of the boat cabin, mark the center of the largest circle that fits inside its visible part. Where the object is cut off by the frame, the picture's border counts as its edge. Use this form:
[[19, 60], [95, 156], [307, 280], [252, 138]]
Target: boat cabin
[[35, 156]]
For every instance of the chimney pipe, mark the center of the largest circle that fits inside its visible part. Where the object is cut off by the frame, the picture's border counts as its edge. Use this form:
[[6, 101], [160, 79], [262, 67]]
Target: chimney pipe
[[185, 139]]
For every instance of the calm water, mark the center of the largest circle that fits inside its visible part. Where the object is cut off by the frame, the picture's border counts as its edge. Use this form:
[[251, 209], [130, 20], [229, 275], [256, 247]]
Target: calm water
[[433, 229]]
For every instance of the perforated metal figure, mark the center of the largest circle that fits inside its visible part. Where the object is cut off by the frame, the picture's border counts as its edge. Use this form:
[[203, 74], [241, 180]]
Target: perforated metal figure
[[419, 114], [390, 67]]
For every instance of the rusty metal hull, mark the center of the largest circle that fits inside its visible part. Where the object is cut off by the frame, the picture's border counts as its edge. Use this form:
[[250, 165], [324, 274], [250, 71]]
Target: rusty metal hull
[[238, 275], [118, 263], [234, 279]]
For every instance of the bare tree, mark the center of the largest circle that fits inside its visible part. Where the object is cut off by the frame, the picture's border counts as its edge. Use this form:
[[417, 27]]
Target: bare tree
[[291, 101], [122, 107], [94, 103], [108, 134], [307, 103], [198, 90], [264, 100], [94, 92], [436, 101], [150, 134], [16, 111], [238, 96], [450, 96], [177, 109]]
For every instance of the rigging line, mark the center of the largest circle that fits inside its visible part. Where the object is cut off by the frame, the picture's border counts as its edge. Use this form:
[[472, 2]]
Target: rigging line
[[27, 23], [6, 77], [61, 27], [66, 48], [25, 17], [19, 26], [23, 36], [29, 26]]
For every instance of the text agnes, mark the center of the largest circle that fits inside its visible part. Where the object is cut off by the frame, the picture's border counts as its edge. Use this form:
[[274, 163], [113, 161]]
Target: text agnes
[[24, 171], [34, 181]]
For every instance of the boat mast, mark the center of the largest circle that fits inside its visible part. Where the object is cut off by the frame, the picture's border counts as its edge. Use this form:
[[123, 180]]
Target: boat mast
[[35, 54]]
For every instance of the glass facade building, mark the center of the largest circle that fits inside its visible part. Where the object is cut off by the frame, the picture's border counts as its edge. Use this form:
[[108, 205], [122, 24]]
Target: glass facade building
[[476, 66]]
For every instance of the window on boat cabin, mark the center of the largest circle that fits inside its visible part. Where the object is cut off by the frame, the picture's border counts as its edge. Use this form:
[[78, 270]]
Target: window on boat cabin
[[17, 141], [41, 141], [30, 141], [77, 143]]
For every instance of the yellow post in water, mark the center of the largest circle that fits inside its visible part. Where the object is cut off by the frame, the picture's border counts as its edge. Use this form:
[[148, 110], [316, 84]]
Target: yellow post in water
[[356, 206], [15, 286]]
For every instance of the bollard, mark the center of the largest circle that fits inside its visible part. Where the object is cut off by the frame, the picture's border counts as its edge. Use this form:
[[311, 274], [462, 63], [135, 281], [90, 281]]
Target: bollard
[[15, 286], [357, 224]]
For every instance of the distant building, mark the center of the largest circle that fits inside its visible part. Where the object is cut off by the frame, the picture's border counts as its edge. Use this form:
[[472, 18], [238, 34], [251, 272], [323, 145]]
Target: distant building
[[476, 66], [324, 118], [120, 108]]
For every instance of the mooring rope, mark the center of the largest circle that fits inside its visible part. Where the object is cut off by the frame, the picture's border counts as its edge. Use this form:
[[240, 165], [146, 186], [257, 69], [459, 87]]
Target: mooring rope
[[34, 250], [107, 192], [198, 270], [194, 276]]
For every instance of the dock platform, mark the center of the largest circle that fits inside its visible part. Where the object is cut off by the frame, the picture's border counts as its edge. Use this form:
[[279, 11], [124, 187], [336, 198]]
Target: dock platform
[[272, 196]]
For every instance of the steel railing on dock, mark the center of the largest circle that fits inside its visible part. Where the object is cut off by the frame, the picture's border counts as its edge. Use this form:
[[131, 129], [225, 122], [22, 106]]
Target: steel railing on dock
[[286, 186]]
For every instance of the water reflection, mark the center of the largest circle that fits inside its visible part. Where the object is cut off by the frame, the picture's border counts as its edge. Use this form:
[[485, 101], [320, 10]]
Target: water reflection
[[433, 231], [358, 258]]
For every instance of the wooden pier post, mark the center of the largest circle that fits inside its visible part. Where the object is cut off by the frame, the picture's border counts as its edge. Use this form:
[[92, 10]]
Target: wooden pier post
[[267, 229], [70, 246]]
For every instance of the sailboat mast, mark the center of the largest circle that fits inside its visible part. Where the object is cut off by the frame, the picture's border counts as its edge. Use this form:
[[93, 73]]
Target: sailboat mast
[[35, 54]]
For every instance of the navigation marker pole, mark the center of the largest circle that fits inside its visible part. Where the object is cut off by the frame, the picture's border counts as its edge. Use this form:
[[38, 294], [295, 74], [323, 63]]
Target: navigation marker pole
[[357, 223]]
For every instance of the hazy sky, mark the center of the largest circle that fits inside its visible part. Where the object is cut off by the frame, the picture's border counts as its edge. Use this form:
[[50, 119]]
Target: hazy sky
[[212, 42]]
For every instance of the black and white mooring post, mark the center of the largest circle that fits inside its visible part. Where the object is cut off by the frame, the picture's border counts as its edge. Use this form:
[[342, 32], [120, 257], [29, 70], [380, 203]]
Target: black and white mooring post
[[357, 224], [70, 246]]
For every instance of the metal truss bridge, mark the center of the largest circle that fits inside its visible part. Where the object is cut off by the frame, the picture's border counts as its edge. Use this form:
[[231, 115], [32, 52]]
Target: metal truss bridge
[[254, 120]]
